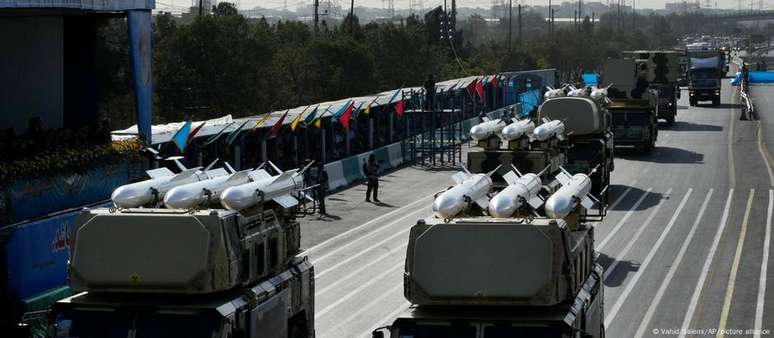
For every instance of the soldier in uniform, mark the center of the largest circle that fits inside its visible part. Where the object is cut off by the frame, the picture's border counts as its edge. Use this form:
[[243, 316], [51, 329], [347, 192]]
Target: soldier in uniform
[[322, 188], [370, 170]]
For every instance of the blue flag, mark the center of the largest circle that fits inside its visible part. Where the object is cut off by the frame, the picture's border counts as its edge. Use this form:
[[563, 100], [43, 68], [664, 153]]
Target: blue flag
[[181, 136], [341, 110]]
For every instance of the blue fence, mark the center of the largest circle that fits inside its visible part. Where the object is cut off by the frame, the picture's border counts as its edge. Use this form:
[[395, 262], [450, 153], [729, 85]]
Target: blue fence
[[754, 77]]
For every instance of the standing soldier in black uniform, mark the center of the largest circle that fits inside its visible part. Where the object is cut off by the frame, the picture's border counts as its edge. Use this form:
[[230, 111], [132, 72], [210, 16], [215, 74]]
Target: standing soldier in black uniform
[[429, 92], [370, 170], [322, 187]]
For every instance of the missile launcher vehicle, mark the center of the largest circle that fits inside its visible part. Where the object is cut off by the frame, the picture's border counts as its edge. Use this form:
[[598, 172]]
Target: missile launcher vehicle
[[150, 272], [500, 277], [661, 70]]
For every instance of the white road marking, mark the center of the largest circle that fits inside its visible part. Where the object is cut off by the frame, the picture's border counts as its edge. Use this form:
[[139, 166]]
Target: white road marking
[[764, 269], [377, 278], [630, 286], [609, 271], [705, 269], [731, 168], [362, 252], [620, 198], [361, 310], [384, 227], [334, 238], [672, 270], [623, 220], [357, 271], [735, 267]]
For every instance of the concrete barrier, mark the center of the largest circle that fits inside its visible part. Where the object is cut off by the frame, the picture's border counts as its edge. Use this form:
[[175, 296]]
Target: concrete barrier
[[336, 178]]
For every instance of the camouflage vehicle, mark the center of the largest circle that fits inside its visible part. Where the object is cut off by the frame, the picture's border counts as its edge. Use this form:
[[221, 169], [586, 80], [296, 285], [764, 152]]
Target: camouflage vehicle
[[173, 273], [633, 105], [468, 278], [661, 71]]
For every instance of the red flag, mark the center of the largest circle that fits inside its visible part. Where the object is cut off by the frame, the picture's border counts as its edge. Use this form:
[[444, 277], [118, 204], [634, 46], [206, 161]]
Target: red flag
[[472, 87], [480, 90], [193, 133], [399, 108], [276, 127], [494, 81], [344, 118]]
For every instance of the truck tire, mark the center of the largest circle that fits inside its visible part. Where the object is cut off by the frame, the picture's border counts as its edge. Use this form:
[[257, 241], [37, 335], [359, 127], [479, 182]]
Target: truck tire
[[716, 101], [670, 120], [692, 102]]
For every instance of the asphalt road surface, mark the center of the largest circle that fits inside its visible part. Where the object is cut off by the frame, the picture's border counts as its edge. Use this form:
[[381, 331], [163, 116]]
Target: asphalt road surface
[[685, 246]]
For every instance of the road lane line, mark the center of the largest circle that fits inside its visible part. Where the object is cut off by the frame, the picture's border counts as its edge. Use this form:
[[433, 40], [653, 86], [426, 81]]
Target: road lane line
[[765, 153], [340, 280], [623, 220], [315, 260], [735, 267], [640, 230], [388, 319], [764, 269], [705, 269], [731, 168], [620, 198], [672, 269], [330, 240], [361, 252], [377, 278], [625, 294], [362, 309]]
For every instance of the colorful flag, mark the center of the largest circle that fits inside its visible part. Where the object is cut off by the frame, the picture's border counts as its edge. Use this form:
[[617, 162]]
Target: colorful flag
[[181, 136], [395, 95], [277, 125], [342, 109], [480, 90], [297, 120], [494, 81], [236, 132], [318, 121], [356, 111], [471, 88], [218, 135], [310, 118], [346, 115], [192, 134], [399, 108], [261, 121]]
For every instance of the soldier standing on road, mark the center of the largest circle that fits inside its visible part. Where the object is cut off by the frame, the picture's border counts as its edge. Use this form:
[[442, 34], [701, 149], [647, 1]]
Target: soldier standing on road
[[370, 170], [322, 188], [429, 92]]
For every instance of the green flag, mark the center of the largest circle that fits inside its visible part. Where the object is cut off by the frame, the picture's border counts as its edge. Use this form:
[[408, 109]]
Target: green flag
[[356, 112], [310, 118]]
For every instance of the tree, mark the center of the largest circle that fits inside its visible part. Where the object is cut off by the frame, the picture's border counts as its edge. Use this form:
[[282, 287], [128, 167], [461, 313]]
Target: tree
[[225, 9]]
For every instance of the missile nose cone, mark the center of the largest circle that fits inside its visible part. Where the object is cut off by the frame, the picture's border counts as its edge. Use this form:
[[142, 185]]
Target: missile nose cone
[[446, 206], [235, 199], [128, 196], [558, 206], [501, 207], [178, 198], [478, 132]]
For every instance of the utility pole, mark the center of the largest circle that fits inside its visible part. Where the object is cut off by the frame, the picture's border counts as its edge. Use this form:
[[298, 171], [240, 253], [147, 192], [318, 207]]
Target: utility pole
[[550, 18], [520, 42], [510, 24], [316, 16], [201, 3], [352, 17]]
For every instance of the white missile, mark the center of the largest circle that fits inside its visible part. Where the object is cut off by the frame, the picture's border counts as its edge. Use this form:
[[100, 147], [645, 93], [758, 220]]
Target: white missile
[[280, 189], [192, 195], [485, 129], [520, 189], [518, 129], [469, 187], [549, 129], [599, 93], [574, 191], [577, 92], [161, 180], [553, 93]]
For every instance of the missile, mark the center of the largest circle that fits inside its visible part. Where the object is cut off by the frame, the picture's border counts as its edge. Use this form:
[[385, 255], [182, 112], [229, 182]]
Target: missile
[[553, 93], [575, 190], [549, 129], [520, 189], [161, 180], [485, 129], [577, 92], [192, 195], [469, 187], [278, 188], [518, 129], [599, 93]]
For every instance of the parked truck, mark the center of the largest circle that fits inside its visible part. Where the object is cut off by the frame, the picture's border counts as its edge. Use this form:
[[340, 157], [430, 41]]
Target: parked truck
[[633, 105], [173, 273], [484, 277]]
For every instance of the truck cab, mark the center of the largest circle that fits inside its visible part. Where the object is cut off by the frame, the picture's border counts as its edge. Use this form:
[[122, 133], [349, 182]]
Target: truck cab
[[704, 85]]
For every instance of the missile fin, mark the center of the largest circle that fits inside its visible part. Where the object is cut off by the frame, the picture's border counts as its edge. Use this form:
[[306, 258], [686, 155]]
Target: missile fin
[[209, 166], [159, 172], [586, 202], [483, 202], [229, 167], [510, 177], [563, 177], [184, 174], [241, 175], [286, 201], [516, 170], [560, 137], [306, 168], [275, 167], [284, 175], [545, 120], [459, 177], [259, 175], [535, 202]]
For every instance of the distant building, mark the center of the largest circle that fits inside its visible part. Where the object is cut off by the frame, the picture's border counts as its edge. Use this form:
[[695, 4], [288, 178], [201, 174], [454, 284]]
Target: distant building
[[681, 7]]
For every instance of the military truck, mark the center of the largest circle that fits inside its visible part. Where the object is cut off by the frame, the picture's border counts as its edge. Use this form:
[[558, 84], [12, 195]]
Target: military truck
[[174, 273], [587, 123], [705, 71], [468, 277], [662, 70], [633, 105]]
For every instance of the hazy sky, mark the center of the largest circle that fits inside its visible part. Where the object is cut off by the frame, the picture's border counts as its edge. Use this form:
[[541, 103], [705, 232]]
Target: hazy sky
[[278, 4]]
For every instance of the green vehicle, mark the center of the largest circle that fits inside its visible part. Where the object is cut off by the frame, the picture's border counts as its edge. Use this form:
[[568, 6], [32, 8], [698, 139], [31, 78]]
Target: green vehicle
[[634, 123]]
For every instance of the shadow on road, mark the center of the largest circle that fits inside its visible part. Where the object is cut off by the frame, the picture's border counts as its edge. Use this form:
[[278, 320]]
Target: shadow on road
[[632, 197], [722, 106], [687, 126], [618, 276], [662, 154]]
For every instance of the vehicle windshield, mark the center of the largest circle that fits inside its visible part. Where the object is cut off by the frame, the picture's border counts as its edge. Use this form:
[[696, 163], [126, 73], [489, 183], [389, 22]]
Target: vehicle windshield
[[437, 330], [704, 74], [99, 323]]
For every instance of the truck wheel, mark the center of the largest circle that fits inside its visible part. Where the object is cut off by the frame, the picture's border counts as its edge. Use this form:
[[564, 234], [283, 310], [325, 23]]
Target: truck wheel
[[716, 101], [648, 148], [670, 120], [692, 102]]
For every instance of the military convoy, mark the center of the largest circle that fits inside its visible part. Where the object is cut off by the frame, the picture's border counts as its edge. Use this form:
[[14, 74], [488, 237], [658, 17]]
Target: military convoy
[[633, 105], [211, 272]]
